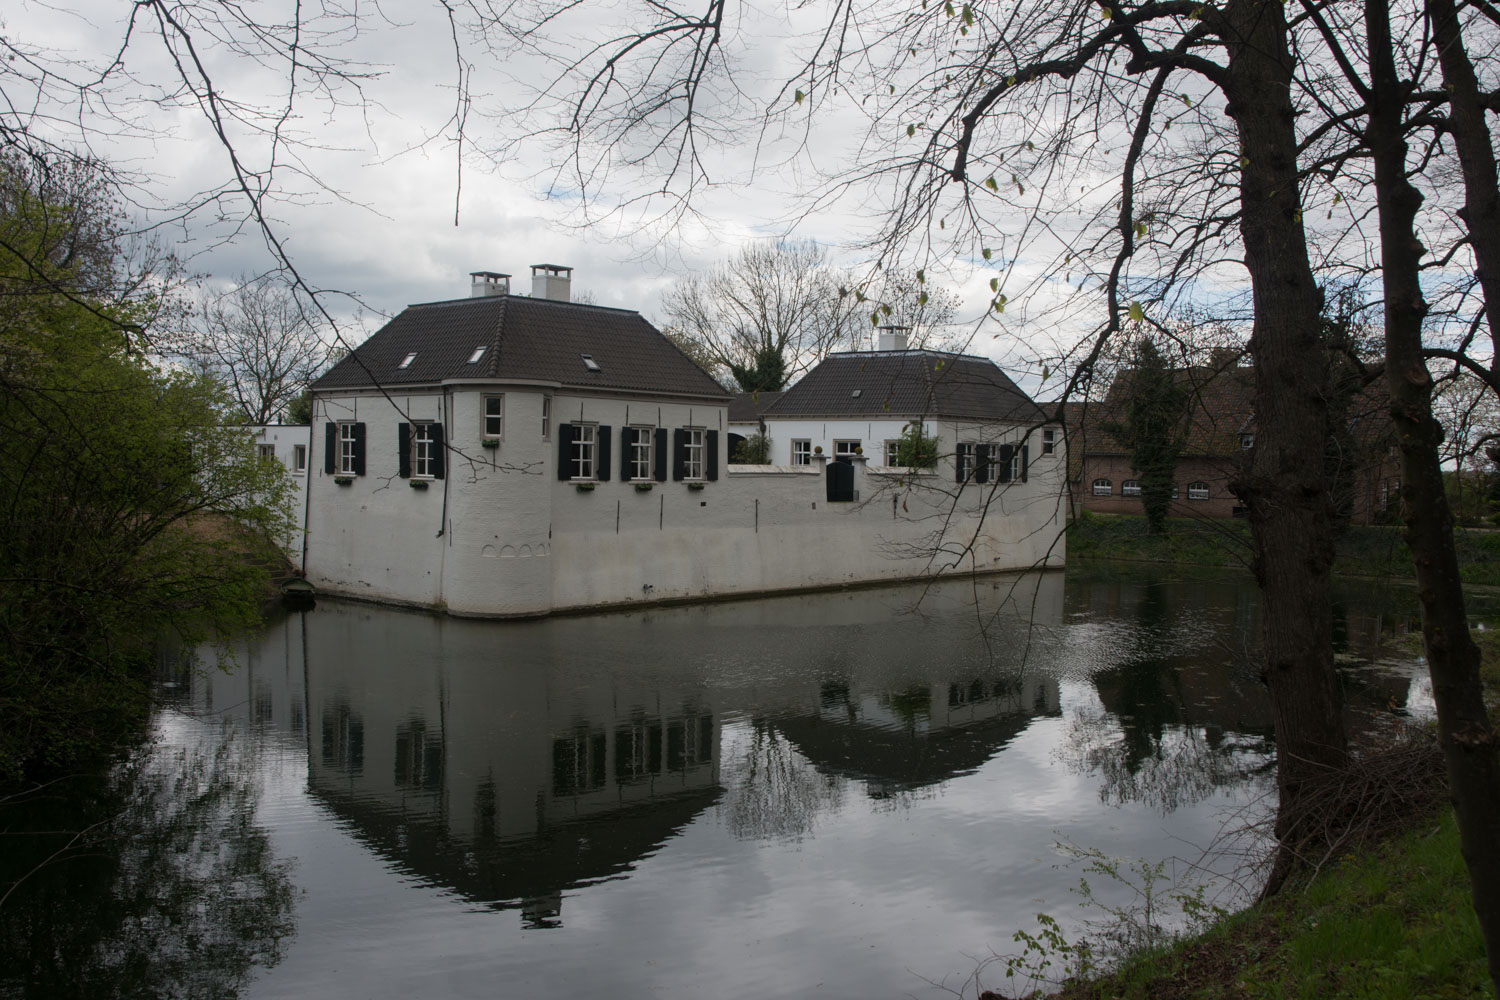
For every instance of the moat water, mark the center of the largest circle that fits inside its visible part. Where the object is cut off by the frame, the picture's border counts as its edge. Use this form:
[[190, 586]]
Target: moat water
[[860, 794]]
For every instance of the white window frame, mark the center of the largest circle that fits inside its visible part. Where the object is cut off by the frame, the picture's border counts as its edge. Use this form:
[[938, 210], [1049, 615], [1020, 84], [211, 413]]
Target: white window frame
[[423, 451], [267, 452], [1130, 488], [299, 459], [546, 418], [1198, 491], [348, 448], [965, 459], [892, 451], [485, 416], [642, 453], [694, 453], [1049, 440], [1103, 488], [846, 447], [1015, 465], [584, 454], [1247, 440], [802, 451]]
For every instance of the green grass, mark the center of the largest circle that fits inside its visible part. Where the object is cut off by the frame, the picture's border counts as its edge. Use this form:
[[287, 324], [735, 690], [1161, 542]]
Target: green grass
[[1368, 551], [1396, 923]]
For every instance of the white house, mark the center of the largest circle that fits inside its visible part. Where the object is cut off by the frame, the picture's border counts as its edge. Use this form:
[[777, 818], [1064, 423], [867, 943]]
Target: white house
[[862, 402], [291, 445], [506, 455]]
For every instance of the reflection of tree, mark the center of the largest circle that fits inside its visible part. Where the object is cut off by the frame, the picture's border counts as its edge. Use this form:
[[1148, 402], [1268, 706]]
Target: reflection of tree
[[1186, 764], [772, 791], [152, 881]]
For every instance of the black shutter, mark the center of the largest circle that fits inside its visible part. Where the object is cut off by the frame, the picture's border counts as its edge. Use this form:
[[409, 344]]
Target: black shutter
[[981, 463], [1025, 460], [659, 459], [627, 451], [601, 467], [438, 449], [564, 452], [1006, 452], [679, 453], [958, 463], [359, 449], [331, 449], [712, 472], [403, 450]]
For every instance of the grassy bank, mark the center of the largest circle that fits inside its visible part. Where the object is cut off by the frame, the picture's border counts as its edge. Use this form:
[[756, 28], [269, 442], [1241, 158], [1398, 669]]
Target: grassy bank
[[1372, 551], [1396, 922]]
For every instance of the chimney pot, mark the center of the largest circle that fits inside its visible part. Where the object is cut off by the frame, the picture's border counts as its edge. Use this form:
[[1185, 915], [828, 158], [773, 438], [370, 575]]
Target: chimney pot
[[486, 283], [552, 281], [893, 338]]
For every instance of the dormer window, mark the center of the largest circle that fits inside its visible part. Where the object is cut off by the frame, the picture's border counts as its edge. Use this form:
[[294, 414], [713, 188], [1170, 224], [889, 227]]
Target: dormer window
[[406, 362], [478, 353], [590, 363]]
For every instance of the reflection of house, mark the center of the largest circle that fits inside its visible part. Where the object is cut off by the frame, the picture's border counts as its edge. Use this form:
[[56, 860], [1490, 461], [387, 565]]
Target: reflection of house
[[921, 735], [1220, 431], [506, 455]]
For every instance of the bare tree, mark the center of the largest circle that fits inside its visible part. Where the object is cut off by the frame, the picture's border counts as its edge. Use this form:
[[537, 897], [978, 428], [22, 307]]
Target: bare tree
[[768, 314], [262, 340]]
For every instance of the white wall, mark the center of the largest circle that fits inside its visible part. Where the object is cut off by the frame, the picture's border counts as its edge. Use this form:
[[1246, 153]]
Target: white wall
[[284, 438], [501, 535]]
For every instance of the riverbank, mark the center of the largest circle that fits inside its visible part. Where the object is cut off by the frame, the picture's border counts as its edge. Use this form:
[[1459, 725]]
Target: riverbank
[[1363, 550]]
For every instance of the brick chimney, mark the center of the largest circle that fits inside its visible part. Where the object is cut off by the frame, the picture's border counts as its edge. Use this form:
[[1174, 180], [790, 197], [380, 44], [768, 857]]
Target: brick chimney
[[552, 281], [484, 283]]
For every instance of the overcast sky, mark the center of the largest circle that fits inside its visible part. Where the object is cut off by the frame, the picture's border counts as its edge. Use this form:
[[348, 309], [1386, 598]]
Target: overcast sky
[[365, 199]]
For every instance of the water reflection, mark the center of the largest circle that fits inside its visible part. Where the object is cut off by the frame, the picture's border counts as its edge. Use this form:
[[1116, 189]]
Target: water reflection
[[154, 880]]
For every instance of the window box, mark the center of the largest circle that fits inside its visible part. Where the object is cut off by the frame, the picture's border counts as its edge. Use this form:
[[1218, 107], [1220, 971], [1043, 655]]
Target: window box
[[490, 443], [343, 480], [417, 484], [695, 486], [643, 487], [584, 487]]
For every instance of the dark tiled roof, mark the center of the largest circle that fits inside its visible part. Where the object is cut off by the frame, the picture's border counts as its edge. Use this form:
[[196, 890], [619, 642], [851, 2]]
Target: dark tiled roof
[[523, 338], [906, 384], [744, 407]]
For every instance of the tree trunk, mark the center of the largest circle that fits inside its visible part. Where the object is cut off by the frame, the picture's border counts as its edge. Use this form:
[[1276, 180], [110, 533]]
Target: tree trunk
[[1284, 486], [1468, 741]]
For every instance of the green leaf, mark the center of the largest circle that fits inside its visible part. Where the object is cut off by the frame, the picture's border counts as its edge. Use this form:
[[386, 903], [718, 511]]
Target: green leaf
[[921, 276], [1140, 229], [1137, 314], [922, 299], [991, 184], [1106, 13], [968, 14], [875, 318], [885, 310], [986, 253], [799, 96], [911, 130], [994, 284]]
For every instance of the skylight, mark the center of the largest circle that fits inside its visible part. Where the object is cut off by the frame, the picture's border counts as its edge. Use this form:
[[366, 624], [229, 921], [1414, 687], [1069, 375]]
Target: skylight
[[478, 353], [590, 363], [409, 359]]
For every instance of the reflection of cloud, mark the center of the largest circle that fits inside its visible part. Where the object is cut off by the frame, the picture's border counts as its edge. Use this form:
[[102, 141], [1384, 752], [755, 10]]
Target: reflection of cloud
[[771, 791]]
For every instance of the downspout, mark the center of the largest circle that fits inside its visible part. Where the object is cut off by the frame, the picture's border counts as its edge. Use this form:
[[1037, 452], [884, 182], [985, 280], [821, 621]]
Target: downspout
[[308, 476], [447, 416]]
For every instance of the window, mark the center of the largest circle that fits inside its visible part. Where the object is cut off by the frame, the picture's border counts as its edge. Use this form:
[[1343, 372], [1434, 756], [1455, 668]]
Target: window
[[638, 453], [590, 363], [478, 353], [1247, 440], [423, 451], [546, 418], [963, 460], [349, 448], [299, 458], [845, 449], [494, 417], [802, 452], [1129, 488], [692, 457], [1104, 488], [406, 362], [1197, 491], [1049, 440], [267, 452], [583, 452], [1015, 466], [893, 452]]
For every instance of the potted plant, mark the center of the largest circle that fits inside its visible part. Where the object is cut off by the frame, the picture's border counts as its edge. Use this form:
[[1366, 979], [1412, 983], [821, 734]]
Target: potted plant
[[417, 484], [584, 487], [490, 443], [643, 487], [342, 480]]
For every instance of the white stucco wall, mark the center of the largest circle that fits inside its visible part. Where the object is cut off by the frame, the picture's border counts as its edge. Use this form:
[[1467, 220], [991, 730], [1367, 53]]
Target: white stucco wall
[[501, 535], [283, 439]]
